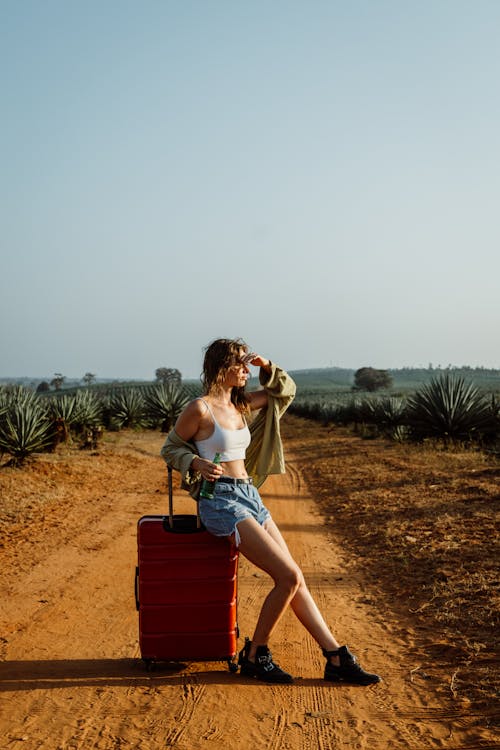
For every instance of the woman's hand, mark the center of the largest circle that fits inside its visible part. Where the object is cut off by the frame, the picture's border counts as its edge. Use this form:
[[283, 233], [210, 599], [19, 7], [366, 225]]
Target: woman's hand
[[208, 470], [257, 361]]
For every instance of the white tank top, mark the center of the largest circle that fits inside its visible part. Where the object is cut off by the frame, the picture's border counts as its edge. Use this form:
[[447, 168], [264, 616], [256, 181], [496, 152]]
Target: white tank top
[[231, 444]]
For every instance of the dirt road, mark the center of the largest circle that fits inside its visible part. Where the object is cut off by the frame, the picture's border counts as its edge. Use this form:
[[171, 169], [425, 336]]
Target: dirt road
[[71, 676]]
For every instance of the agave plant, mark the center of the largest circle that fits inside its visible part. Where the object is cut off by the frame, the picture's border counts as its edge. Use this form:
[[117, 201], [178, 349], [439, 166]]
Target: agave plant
[[17, 395], [77, 413], [386, 413], [62, 415], [4, 401], [126, 408], [24, 429], [339, 411], [164, 403], [192, 390], [353, 411], [451, 408], [88, 410], [317, 409]]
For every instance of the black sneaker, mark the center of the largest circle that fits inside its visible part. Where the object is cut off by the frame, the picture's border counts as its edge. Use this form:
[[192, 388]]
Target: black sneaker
[[263, 668], [348, 669]]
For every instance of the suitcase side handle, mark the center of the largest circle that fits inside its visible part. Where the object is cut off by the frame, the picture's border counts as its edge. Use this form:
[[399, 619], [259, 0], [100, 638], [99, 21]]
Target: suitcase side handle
[[171, 504], [136, 588]]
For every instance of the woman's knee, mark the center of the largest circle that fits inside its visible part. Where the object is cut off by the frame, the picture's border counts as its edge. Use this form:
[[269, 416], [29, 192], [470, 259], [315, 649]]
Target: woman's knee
[[290, 579]]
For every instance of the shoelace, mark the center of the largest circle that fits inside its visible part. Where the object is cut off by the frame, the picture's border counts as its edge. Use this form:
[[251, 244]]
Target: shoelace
[[266, 662]]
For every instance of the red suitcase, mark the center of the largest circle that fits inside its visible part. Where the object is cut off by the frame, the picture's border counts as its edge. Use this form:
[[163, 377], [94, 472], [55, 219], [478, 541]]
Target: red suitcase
[[186, 590]]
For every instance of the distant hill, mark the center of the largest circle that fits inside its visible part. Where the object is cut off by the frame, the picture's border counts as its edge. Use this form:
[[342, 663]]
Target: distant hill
[[315, 380], [406, 378], [70, 384], [324, 378]]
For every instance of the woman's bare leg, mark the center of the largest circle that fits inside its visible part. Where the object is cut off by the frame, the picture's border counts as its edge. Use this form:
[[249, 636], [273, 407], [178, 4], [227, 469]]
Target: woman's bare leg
[[303, 604], [266, 548], [259, 546]]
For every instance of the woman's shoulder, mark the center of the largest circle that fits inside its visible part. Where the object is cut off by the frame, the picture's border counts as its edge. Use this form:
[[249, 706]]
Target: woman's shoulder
[[197, 406], [188, 422]]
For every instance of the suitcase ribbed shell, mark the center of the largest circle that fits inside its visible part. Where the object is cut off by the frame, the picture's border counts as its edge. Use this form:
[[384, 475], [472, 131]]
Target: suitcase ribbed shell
[[186, 591]]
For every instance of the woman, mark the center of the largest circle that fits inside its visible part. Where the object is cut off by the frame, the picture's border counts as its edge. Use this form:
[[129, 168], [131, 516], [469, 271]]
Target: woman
[[217, 423]]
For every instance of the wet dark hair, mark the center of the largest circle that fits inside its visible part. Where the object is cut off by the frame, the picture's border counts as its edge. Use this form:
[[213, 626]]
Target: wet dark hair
[[220, 355]]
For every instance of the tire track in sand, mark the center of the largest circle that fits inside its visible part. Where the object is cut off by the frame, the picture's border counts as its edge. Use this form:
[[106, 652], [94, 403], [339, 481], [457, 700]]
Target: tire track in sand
[[191, 696]]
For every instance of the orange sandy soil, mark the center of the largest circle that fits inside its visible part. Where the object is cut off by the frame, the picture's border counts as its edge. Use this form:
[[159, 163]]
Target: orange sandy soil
[[397, 544]]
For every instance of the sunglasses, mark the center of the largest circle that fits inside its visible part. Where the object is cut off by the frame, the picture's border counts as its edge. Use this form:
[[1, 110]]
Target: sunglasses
[[244, 360]]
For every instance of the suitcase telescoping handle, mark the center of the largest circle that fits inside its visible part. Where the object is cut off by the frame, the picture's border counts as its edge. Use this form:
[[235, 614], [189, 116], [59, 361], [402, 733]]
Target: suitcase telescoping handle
[[171, 503]]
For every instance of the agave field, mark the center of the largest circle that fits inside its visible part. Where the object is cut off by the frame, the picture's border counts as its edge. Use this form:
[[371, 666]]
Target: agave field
[[448, 408], [32, 423]]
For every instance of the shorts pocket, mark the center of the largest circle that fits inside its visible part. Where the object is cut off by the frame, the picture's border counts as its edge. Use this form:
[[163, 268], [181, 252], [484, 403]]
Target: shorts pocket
[[224, 489]]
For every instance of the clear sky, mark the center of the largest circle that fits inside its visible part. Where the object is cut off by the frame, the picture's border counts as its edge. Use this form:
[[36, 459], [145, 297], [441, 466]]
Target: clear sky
[[320, 178]]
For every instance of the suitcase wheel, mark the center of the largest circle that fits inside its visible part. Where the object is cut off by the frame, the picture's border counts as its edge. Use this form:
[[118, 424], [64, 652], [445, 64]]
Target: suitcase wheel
[[233, 666]]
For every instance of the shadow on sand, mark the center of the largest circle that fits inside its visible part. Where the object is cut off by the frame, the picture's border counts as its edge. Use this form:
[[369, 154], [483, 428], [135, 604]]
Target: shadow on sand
[[69, 673]]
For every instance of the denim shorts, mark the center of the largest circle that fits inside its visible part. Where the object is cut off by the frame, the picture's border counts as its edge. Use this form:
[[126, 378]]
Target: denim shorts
[[231, 504]]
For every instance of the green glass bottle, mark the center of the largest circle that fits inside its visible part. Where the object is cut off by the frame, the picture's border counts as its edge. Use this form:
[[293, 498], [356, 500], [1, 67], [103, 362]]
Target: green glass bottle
[[207, 487]]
